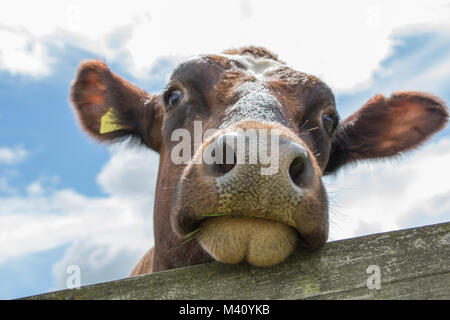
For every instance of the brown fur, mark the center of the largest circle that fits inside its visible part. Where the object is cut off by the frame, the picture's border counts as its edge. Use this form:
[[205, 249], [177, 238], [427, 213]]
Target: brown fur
[[144, 265]]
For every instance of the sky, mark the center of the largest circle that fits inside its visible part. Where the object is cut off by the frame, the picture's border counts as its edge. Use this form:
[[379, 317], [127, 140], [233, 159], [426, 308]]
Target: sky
[[67, 200]]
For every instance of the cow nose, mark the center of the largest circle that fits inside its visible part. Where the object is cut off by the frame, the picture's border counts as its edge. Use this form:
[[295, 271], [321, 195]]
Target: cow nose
[[259, 176], [260, 161]]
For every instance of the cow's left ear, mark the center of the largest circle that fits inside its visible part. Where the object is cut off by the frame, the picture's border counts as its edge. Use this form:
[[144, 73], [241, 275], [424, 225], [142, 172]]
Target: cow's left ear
[[109, 107], [386, 127]]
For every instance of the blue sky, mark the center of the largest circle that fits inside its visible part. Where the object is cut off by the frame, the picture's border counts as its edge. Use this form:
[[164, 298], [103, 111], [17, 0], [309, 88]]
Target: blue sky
[[68, 200]]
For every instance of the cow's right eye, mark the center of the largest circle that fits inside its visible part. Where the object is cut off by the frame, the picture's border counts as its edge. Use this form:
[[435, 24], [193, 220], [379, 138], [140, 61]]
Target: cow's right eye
[[174, 97]]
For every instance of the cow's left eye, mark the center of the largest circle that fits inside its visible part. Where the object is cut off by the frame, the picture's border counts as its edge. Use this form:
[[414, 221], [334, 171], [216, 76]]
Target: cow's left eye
[[174, 97], [329, 123]]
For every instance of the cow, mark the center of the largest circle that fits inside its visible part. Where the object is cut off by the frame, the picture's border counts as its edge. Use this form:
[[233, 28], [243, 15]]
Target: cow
[[229, 210]]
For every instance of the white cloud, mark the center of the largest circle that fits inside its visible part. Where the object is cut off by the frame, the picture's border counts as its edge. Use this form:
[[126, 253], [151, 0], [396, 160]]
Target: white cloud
[[424, 67], [35, 189], [35, 223], [22, 53], [390, 195], [341, 42], [130, 172], [12, 155], [118, 227]]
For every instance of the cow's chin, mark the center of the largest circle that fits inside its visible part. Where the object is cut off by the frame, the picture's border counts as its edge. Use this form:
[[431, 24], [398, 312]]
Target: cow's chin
[[260, 242]]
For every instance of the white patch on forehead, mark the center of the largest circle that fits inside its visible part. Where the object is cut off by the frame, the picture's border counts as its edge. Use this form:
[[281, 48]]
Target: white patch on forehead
[[257, 103], [258, 66]]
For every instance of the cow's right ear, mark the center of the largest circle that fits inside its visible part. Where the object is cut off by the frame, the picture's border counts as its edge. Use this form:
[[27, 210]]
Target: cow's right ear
[[110, 108]]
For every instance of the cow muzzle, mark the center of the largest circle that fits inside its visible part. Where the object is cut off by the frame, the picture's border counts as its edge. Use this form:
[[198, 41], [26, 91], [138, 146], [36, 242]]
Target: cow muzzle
[[252, 192]]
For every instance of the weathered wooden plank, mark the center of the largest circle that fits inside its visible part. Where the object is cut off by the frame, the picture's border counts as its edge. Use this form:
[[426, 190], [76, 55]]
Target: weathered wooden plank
[[413, 263]]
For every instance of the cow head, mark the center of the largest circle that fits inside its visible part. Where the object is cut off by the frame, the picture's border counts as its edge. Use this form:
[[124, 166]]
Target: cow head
[[245, 205]]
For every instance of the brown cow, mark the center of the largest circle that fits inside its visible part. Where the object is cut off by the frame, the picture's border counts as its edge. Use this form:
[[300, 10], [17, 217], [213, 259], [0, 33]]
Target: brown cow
[[230, 211]]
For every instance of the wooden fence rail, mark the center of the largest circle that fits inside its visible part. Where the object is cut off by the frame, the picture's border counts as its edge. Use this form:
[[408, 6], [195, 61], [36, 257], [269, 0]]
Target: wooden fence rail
[[406, 264]]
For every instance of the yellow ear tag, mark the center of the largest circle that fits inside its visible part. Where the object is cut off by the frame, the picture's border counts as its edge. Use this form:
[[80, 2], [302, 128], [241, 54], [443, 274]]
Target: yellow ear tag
[[108, 122]]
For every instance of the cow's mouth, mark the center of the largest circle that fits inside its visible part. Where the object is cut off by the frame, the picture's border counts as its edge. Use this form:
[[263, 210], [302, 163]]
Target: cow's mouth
[[260, 242]]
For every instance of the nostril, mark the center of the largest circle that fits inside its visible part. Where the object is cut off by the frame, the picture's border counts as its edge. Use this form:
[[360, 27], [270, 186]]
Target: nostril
[[225, 167], [296, 170], [225, 157]]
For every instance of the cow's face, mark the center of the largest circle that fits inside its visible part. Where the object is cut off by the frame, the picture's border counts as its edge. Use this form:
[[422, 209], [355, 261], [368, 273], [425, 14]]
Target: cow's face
[[244, 142]]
